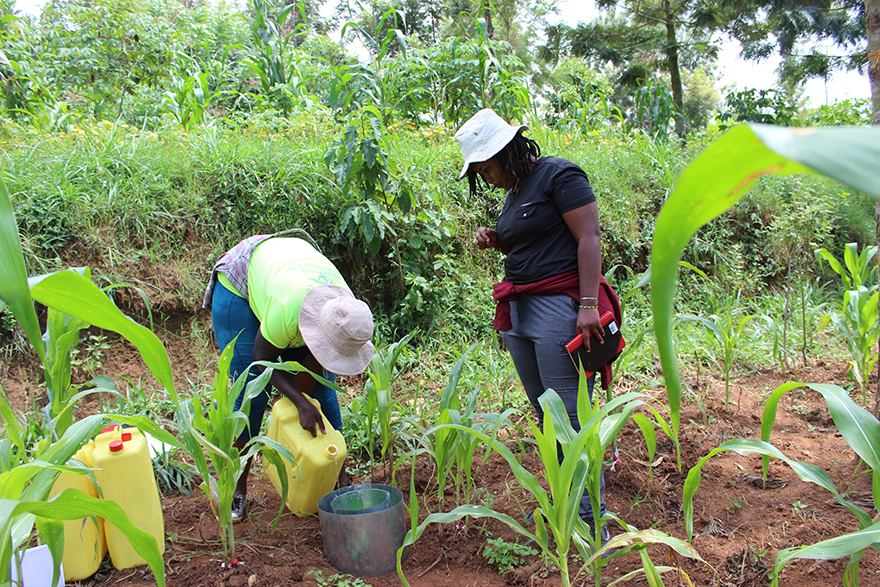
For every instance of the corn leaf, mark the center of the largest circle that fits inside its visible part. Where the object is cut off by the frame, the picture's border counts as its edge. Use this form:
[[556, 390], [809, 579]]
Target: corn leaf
[[857, 426], [14, 290], [805, 471], [720, 176], [633, 574], [75, 295], [769, 418], [72, 504], [832, 549], [52, 534]]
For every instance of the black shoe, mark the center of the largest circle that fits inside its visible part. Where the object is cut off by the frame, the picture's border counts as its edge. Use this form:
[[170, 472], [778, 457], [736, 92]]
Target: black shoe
[[605, 537], [239, 507], [605, 534], [530, 517]]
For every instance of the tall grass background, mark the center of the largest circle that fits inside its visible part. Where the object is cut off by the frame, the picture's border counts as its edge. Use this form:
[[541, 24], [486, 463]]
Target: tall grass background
[[153, 210]]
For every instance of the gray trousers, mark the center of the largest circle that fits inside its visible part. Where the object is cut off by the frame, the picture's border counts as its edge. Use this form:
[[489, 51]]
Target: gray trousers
[[542, 324]]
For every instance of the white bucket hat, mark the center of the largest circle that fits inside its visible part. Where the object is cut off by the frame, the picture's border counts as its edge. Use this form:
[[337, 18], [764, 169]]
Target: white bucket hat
[[483, 136], [337, 328]]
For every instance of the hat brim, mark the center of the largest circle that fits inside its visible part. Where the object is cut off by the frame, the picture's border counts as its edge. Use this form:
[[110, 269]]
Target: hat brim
[[316, 339], [491, 147]]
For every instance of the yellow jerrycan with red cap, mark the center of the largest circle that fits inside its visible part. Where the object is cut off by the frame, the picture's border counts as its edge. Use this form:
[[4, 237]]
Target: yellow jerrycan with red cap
[[125, 474], [318, 458], [84, 544]]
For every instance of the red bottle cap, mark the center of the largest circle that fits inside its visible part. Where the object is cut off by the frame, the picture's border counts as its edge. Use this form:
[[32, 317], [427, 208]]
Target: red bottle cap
[[126, 436], [110, 428], [116, 446]]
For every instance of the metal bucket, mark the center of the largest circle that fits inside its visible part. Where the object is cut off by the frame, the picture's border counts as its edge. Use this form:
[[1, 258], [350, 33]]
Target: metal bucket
[[363, 543]]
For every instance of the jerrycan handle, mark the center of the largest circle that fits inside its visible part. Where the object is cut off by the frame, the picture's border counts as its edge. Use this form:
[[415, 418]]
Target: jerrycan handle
[[115, 430]]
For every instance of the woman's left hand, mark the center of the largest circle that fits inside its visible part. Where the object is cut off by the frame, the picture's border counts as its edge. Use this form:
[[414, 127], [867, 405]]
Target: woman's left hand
[[589, 324]]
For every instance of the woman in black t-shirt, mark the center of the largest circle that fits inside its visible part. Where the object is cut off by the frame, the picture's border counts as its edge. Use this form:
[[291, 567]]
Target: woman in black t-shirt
[[549, 231]]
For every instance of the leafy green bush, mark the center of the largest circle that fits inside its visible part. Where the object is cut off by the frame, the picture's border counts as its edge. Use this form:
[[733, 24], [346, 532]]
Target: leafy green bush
[[764, 106], [853, 111], [505, 555], [48, 219]]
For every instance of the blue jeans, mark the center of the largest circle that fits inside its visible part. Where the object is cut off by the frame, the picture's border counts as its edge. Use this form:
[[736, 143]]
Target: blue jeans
[[542, 324], [231, 314]]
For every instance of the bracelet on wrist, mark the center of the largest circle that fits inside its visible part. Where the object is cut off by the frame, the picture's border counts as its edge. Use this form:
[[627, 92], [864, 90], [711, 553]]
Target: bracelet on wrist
[[588, 307], [594, 299]]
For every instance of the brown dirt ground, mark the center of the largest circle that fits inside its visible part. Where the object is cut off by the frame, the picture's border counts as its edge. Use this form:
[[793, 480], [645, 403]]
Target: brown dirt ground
[[739, 526]]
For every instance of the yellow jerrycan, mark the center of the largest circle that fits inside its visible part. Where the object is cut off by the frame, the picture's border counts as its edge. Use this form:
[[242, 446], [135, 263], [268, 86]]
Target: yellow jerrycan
[[126, 477], [318, 458], [84, 543]]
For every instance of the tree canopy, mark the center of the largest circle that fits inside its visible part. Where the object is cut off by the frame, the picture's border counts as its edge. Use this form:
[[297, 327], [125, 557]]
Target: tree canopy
[[644, 63]]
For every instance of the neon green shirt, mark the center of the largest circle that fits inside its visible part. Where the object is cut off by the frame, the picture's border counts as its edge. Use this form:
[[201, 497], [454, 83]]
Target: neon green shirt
[[280, 272]]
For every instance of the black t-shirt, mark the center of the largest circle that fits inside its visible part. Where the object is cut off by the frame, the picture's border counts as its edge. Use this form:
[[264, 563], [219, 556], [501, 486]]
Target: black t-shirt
[[531, 224]]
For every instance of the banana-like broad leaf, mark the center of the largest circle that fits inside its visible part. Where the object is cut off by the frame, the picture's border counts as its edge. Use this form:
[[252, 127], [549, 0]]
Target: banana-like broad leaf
[[720, 176]]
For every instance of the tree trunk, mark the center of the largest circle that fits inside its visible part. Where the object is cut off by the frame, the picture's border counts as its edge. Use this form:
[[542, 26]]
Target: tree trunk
[[872, 19], [487, 14], [674, 71]]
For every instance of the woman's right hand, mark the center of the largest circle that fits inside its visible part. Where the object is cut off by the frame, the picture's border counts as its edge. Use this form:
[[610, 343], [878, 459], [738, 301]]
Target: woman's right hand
[[310, 418], [487, 238]]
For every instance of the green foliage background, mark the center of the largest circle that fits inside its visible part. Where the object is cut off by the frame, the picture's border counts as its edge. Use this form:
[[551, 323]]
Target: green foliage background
[[161, 207], [144, 138]]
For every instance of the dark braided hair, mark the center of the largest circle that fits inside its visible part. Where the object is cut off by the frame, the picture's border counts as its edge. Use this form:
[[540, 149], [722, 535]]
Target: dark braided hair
[[517, 157]]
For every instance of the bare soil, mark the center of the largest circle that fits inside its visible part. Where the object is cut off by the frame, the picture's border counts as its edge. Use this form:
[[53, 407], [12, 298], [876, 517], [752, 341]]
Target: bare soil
[[739, 524]]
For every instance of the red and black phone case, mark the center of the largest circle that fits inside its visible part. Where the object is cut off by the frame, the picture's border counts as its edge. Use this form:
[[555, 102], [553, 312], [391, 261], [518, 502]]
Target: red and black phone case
[[600, 354]]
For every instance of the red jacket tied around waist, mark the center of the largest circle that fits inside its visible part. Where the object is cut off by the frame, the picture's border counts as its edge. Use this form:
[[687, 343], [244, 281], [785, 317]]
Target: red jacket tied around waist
[[567, 283]]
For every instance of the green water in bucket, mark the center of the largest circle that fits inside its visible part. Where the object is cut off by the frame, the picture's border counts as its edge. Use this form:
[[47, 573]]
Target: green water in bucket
[[360, 501]]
